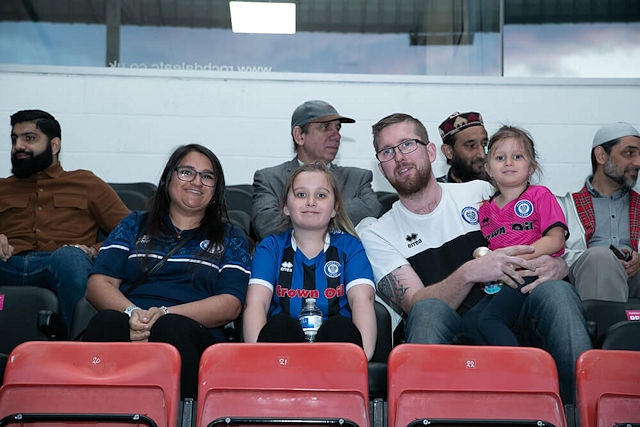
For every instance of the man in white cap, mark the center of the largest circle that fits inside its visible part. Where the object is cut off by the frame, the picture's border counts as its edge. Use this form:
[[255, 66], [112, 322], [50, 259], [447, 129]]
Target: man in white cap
[[604, 219], [315, 129]]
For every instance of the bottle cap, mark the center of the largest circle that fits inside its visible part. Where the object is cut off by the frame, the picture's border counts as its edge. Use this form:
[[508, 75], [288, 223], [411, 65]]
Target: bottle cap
[[480, 251]]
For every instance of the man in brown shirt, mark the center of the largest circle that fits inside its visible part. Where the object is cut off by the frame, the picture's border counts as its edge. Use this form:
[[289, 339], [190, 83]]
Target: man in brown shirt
[[49, 217]]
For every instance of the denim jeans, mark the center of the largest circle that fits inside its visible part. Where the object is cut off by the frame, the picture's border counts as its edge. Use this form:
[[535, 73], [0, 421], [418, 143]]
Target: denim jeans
[[551, 318], [65, 271]]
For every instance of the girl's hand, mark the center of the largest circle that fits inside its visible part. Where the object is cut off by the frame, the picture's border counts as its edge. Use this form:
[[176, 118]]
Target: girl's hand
[[547, 267]]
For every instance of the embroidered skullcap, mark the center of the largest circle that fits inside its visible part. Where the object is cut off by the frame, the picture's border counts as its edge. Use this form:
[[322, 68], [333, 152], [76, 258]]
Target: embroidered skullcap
[[457, 122]]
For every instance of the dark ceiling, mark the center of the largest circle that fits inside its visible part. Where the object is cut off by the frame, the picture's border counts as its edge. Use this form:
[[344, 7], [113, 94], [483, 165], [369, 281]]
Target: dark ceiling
[[362, 16]]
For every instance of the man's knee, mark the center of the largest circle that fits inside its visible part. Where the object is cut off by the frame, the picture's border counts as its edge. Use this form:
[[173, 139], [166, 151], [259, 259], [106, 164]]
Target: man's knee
[[70, 265], [597, 255], [549, 305], [554, 295], [430, 309], [69, 255], [432, 321], [598, 274], [554, 289]]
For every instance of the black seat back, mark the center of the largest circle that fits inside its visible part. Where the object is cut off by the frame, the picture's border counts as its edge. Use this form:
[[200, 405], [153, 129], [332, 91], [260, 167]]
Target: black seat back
[[82, 314], [241, 219], [602, 315], [28, 313], [378, 362], [239, 198], [134, 195], [623, 335], [134, 200], [146, 189], [386, 199]]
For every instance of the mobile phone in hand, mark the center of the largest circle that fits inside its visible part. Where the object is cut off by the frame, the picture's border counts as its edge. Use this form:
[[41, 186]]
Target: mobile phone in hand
[[619, 254]]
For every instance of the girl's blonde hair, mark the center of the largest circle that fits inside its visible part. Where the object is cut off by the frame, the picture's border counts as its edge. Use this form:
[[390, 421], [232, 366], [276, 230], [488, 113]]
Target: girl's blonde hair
[[341, 221]]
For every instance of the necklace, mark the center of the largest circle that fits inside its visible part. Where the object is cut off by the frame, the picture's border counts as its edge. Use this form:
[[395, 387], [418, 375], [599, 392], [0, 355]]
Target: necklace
[[178, 232]]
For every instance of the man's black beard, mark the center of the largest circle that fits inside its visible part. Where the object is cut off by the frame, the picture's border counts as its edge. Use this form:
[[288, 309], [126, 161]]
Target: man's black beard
[[464, 172], [24, 168]]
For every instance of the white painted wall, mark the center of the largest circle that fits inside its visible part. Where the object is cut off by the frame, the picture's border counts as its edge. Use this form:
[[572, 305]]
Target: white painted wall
[[123, 123]]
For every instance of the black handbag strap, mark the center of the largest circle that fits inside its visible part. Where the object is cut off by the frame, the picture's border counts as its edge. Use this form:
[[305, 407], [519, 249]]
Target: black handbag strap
[[159, 265]]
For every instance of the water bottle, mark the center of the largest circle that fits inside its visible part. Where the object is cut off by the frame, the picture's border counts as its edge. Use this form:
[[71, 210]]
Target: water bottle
[[310, 319], [489, 288]]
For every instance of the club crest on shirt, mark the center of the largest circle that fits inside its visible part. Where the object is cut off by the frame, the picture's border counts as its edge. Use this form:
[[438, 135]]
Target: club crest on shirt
[[524, 208], [470, 215], [333, 269], [286, 267], [213, 250], [145, 239]]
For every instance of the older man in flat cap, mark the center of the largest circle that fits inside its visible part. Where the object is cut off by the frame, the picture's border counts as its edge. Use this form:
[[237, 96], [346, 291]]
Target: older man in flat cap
[[464, 139], [604, 219], [315, 129]]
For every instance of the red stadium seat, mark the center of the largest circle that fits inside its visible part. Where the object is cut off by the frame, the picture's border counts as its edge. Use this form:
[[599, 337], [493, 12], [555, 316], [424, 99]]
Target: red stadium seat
[[82, 384], [454, 383], [608, 387], [258, 383]]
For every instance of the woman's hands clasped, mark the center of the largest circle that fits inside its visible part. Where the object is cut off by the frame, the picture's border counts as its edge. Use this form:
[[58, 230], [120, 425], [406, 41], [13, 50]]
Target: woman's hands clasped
[[141, 322]]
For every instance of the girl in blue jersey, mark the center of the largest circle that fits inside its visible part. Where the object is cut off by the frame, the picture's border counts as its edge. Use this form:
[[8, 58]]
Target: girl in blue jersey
[[318, 256]]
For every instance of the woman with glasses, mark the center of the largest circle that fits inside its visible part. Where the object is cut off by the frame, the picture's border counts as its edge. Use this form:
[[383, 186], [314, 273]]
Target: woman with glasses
[[176, 273]]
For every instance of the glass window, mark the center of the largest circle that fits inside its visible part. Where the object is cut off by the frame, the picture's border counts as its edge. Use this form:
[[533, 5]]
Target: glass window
[[48, 43], [304, 52], [573, 50], [565, 38]]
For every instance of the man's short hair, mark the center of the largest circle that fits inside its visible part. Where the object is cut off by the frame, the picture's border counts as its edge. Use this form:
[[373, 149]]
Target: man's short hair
[[395, 118], [43, 121]]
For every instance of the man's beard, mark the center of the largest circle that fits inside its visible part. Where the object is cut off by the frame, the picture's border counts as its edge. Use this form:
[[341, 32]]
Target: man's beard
[[25, 167], [413, 184], [465, 172], [613, 174]]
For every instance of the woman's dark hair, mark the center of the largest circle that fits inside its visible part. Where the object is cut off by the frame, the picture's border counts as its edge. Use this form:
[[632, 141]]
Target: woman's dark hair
[[212, 224]]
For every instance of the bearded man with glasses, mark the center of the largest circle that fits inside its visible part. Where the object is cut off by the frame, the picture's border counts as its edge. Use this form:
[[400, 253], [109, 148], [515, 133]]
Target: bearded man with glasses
[[422, 254]]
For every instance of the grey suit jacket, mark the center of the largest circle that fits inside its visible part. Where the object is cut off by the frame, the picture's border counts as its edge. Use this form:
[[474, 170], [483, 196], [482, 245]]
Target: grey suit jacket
[[354, 183]]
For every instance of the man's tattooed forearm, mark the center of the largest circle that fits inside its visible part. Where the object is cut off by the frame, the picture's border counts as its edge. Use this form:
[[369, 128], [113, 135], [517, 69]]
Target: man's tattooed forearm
[[391, 288]]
